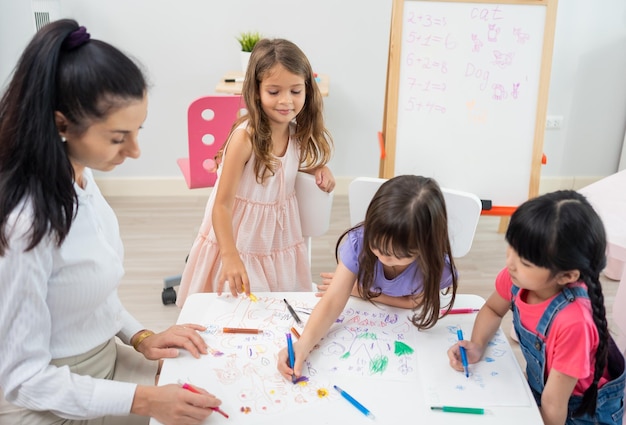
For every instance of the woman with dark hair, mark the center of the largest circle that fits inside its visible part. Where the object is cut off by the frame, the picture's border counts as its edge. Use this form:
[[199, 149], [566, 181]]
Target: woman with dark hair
[[75, 104]]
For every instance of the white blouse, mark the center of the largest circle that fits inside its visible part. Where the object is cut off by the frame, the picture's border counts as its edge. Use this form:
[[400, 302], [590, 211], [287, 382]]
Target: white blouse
[[61, 301]]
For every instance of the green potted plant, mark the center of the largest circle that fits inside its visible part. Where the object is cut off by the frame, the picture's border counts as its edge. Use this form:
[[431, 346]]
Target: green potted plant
[[247, 40]]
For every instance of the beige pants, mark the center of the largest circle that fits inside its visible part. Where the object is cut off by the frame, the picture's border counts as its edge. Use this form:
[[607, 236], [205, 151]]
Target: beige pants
[[108, 361]]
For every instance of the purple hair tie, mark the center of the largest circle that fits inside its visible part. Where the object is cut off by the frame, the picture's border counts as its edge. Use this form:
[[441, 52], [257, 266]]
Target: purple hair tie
[[76, 38]]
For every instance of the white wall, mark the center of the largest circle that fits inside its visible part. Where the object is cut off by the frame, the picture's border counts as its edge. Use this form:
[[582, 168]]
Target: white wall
[[187, 45], [588, 88], [16, 28]]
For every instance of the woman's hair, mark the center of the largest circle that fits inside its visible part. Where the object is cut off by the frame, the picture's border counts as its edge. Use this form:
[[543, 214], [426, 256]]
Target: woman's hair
[[407, 217], [560, 231], [63, 70], [315, 142]]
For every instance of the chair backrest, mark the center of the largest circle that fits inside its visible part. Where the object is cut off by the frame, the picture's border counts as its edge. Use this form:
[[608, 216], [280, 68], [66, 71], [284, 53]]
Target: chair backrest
[[463, 211], [315, 207], [314, 204], [209, 120]]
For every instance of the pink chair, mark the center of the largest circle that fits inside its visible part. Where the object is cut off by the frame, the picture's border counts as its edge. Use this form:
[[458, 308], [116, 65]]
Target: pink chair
[[209, 120]]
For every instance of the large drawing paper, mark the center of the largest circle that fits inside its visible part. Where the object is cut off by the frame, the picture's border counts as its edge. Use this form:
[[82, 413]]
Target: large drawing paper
[[494, 381], [371, 341]]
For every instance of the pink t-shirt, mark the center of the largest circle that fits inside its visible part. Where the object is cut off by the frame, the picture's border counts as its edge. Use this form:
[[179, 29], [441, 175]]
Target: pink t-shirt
[[572, 337]]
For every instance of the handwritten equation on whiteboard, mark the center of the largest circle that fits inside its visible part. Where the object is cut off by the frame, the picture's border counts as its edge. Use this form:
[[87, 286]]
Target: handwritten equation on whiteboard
[[481, 52]]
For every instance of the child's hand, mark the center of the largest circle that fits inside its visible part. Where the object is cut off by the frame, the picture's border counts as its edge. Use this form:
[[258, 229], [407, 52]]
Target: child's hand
[[325, 179], [233, 272], [474, 353], [283, 362], [327, 277]]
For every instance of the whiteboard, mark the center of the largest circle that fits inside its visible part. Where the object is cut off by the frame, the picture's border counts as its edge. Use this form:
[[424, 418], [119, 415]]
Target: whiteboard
[[469, 82]]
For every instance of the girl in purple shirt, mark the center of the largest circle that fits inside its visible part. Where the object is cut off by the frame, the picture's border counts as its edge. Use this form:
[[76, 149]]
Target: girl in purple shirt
[[399, 255], [397, 286]]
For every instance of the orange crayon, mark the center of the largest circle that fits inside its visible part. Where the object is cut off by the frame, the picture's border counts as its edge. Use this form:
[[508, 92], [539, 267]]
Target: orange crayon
[[295, 332], [242, 331]]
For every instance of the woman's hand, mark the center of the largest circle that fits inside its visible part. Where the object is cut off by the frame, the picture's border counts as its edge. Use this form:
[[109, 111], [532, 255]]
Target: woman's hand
[[173, 405], [324, 179], [165, 344]]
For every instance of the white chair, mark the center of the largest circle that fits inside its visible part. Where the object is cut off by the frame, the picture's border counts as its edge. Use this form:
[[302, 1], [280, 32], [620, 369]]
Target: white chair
[[463, 211], [315, 207]]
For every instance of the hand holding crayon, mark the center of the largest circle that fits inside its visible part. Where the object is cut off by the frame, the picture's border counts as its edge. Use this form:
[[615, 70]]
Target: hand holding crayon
[[189, 387], [459, 333], [292, 358]]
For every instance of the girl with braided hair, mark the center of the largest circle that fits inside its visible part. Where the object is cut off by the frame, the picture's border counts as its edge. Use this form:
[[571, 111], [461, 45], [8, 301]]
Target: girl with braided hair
[[556, 252]]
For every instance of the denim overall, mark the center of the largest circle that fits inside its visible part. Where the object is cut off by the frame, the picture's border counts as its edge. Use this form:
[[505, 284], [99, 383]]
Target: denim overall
[[610, 407]]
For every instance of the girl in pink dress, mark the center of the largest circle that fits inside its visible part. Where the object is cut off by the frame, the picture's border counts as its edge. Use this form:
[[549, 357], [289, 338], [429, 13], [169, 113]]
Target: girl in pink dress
[[250, 237]]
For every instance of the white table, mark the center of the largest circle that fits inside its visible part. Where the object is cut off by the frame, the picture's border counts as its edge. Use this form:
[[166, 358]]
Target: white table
[[608, 197], [390, 400]]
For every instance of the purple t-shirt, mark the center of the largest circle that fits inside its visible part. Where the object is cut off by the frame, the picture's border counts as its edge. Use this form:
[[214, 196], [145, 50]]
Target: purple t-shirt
[[409, 282]]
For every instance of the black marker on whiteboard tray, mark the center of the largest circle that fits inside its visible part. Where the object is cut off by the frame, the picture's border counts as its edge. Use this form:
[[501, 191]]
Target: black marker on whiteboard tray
[[234, 80]]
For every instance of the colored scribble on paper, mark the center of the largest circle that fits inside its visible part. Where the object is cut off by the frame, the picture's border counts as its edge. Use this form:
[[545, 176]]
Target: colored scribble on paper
[[215, 353], [379, 364], [322, 392], [492, 381], [246, 370], [368, 341], [401, 349]]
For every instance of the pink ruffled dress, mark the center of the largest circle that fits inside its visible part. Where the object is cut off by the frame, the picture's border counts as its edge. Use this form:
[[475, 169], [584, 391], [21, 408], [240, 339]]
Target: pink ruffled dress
[[267, 231]]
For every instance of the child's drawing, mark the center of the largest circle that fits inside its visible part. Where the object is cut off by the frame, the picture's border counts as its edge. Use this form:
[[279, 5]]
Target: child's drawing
[[492, 33], [491, 381], [369, 341], [521, 36], [503, 59]]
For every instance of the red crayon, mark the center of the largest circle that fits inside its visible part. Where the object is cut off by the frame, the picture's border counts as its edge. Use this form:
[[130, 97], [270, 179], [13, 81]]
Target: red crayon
[[461, 311], [215, 409]]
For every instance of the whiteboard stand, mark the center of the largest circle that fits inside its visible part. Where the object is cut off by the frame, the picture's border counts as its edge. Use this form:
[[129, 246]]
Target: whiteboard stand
[[466, 95]]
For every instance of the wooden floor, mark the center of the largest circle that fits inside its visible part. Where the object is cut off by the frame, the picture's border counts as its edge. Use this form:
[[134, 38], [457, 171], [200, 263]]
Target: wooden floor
[[158, 231]]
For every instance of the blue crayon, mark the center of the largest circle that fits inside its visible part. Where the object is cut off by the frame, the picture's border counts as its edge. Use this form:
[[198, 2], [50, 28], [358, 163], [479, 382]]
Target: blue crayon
[[292, 357], [459, 334], [355, 403]]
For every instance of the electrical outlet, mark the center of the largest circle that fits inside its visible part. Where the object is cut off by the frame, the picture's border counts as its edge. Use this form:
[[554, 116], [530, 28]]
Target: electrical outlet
[[554, 122]]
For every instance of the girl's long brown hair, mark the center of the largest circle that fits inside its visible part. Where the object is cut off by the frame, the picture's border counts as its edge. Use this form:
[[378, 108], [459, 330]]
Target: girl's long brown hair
[[316, 144], [407, 217]]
